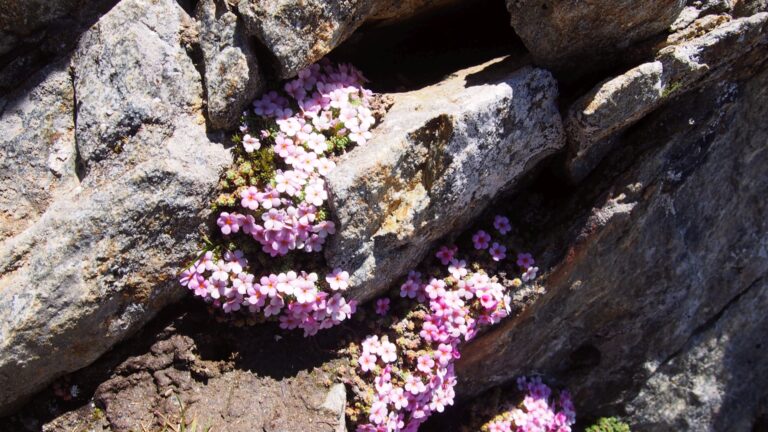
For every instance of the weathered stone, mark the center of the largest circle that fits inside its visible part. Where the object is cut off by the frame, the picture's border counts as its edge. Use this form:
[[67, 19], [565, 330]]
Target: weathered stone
[[100, 261], [300, 32], [232, 399], [38, 147], [617, 103], [660, 302], [131, 76], [232, 76], [225, 377], [574, 36], [440, 155], [717, 380]]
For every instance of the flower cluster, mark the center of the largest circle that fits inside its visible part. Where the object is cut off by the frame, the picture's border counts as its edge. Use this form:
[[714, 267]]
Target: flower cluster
[[326, 108], [412, 376], [295, 298], [409, 388], [483, 241], [540, 411], [275, 196], [408, 392]]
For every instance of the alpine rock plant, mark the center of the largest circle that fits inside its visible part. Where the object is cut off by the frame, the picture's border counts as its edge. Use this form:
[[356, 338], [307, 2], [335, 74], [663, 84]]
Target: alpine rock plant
[[541, 410], [272, 204], [408, 373]]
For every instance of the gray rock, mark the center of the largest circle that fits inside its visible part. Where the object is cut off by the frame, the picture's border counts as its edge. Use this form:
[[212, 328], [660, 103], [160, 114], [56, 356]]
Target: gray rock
[[574, 36], [440, 155], [618, 103], [38, 147], [102, 259], [660, 301], [718, 371], [300, 32], [232, 76], [133, 79]]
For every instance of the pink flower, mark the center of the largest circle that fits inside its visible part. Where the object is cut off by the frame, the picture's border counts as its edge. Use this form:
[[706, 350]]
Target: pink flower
[[435, 289], [425, 363], [387, 351], [501, 223], [410, 289], [525, 260], [458, 268], [324, 228], [284, 146], [414, 385], [275, 306], [273, 220], [367, 362], [382, 306], [498, 426], [230, 223], [338, 280], [530, 274], [444, 354], [398, 399], [250, 143], [481, 240], [250, 198], [379, 412], [498, 252], [305, 292], [445, 254]]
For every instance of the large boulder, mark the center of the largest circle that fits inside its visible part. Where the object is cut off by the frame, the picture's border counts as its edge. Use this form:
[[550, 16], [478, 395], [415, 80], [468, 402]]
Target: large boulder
[[438, 158], [232, 75], [38, 147], [298, 33], [568, 36], [100, 259], [594, 120], [658, 303]]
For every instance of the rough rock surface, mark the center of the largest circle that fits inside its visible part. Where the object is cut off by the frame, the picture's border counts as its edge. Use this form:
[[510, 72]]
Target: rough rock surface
[[567, 35], [440, 155], [100, 261], [300, 32], [184, 367], [617, 103], [38, 147], [215, 394], [232, 75], [712, 383], [670, 264]]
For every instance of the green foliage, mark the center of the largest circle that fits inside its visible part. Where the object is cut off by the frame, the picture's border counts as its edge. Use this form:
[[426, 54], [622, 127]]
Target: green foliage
[[338, 144], [671, 88], [609, 424]]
